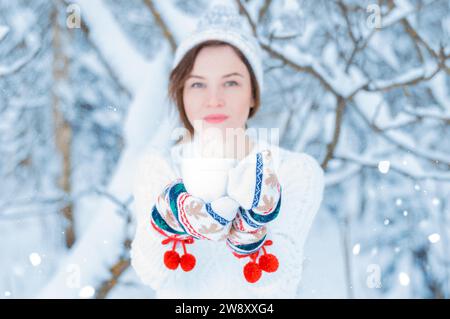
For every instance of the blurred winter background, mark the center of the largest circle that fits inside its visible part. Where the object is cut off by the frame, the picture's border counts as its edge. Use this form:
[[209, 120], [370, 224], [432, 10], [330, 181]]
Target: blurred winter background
[[363, 86]]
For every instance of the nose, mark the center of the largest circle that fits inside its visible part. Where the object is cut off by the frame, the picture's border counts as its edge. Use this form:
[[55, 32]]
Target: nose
[[215, 98]]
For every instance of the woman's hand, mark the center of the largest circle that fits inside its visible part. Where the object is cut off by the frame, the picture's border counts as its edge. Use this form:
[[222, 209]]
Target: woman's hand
[[253, 183], [179, 212]]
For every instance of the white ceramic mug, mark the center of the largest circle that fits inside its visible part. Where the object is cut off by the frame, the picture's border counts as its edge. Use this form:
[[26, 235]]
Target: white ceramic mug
[[206, 178]]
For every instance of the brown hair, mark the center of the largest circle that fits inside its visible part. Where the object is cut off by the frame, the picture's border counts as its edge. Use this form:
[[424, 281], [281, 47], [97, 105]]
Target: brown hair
[[179, 75]]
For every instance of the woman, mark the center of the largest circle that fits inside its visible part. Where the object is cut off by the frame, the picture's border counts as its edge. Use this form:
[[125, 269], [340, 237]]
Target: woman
[[222, 214]]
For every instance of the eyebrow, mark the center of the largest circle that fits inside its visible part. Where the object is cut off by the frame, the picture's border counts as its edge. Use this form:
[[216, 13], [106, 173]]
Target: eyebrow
[[225, 76]]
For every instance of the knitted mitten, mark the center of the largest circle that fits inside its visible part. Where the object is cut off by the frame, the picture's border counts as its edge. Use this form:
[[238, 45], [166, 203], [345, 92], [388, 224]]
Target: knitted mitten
[[181, 218], [253, 183]]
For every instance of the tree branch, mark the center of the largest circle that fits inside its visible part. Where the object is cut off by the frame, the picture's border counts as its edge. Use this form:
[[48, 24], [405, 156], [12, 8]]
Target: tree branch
[[430, 155], [362, 161], [160, 22]]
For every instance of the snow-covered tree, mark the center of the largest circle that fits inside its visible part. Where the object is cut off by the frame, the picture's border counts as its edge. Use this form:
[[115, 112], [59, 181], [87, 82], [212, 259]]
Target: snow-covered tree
[[361, 85]]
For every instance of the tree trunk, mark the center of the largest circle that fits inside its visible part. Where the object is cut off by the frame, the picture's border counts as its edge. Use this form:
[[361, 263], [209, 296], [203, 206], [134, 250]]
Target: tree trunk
[[63, 130]]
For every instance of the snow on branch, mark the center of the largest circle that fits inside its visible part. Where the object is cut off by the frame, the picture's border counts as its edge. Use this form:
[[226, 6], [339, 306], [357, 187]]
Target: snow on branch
[[117, 51], [175, 22], [403, 141], [160, 22], [410, 77], [413, 174], [336, 178], [344, 86], [3, 31], [429, 113], [302, 62], [90, 247], [399, 12], [146, 111], [16, 66]]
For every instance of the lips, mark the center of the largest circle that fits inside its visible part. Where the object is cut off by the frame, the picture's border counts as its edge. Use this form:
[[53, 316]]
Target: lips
[[215, 118]]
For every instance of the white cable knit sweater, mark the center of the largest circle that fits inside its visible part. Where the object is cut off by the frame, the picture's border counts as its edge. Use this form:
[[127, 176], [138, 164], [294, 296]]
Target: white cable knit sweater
[[218, 274]]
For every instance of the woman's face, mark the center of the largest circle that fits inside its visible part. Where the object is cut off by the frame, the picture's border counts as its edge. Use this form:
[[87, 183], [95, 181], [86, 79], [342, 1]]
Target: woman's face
[[218, 91]]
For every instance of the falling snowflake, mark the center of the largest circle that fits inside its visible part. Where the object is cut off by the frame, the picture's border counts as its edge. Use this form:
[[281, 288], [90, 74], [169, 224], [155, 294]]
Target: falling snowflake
[[434, 238], [383, 166], [403, 278], [436, 201], [113, 108], [87, 292], [35, 259], [356, 249]]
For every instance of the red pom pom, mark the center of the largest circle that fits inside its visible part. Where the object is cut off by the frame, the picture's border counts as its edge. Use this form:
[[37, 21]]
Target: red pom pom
[[187, 262], [268, 263], [171, 259], [252, 272]]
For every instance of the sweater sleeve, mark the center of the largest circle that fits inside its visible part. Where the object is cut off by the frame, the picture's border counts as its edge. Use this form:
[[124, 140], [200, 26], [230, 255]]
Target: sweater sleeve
[[151, 176], [303, 184], [302, 179], [165, 210]]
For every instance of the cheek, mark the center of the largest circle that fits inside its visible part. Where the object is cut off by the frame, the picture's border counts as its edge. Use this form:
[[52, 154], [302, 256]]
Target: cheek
[[192, 104], [239, 102], [239, 108]]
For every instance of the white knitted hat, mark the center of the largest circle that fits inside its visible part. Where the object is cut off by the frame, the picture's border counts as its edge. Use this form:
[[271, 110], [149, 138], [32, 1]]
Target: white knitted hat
[[222, 22]]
